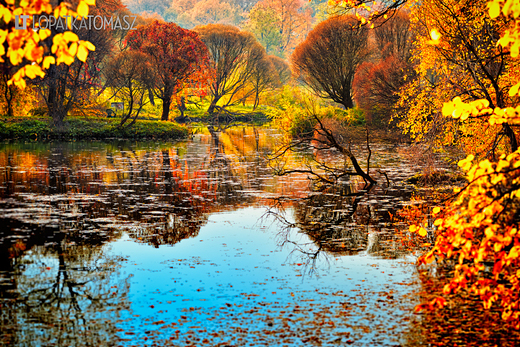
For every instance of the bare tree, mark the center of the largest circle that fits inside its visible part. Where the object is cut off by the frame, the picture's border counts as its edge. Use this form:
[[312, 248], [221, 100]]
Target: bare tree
[[131, 75], [328, 134], [236, 56]]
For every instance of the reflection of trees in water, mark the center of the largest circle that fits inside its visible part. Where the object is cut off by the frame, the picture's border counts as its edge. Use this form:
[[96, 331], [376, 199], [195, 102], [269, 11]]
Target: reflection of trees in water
[[463, 322], [155, 193], [59, 294], [346, 220], [329, 219]]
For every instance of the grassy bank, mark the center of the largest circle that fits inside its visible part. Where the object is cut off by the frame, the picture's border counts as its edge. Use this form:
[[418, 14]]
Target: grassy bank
[[90, 128]]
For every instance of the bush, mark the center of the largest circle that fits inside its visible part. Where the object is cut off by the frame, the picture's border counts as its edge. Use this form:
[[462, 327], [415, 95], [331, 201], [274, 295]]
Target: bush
[[356, 117], [33, 129]]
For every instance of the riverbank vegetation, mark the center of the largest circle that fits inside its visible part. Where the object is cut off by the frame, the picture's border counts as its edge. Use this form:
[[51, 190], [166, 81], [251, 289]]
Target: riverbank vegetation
[[442, 73]]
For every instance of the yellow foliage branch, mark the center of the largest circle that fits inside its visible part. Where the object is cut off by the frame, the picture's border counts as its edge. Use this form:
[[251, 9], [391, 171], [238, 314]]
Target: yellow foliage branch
[[480, 233], [25, 44]]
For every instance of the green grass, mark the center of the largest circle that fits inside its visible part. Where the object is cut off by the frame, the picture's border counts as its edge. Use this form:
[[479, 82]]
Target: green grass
[[90, 128]]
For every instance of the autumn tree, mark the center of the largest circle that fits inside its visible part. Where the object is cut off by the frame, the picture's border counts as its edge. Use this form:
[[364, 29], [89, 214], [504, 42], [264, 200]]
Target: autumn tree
[[71, 87], [282, 68], [377, 83], [119, 34], [327, 60], [178, 56], [279, 25], [131, 76], [262, 22], [468, 63], [8, 91], [478, 235], [236, 56], [189, 14], [264, 77]]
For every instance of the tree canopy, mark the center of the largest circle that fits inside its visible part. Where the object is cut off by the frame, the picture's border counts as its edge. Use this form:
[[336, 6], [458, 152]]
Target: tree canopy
[[327, 60], [178, 55], [236, 56], [26, 48]]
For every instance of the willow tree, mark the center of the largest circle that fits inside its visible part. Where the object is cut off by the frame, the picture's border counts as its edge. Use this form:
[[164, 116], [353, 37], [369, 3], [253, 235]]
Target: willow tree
[[327, 60]]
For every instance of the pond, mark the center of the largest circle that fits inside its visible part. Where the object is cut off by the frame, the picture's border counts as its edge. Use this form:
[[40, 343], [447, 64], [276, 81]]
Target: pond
[[196, 243]]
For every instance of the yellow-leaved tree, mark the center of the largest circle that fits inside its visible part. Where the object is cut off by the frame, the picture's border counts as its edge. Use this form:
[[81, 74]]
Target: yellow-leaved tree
[[479, 235], [466, 63], [21, 38]]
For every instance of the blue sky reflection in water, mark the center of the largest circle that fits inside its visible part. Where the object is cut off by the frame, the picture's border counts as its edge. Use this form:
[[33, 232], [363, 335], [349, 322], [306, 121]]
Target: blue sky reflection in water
[[135, 243], [235, 280]]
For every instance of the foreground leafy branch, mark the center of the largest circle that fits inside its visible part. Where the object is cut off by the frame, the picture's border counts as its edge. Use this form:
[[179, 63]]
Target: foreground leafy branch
[[479, 235]]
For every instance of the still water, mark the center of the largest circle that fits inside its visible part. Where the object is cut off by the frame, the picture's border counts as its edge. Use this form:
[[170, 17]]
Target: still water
[[196, 243]]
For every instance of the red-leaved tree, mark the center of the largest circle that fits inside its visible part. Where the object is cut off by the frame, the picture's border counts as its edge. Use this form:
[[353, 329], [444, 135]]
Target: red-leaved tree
[[178, 55], [377, 84]]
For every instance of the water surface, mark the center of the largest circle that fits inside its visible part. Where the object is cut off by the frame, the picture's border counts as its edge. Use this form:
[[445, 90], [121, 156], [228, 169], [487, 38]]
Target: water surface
[[196, 243]]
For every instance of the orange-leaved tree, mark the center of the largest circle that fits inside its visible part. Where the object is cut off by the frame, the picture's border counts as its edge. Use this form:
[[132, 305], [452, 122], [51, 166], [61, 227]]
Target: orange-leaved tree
[[177, 54], [23, 46], [480, 234]]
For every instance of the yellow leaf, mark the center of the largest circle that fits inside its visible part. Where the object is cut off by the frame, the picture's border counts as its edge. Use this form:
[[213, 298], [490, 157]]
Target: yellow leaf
[[3, 35], [436, 210], [494, 9], [90, 2], [82, 53], [44, 33], [70, 36], [89, 45], [448, 108], [4, 12], [73, 49], [82, 9], [47, 61], [435, 35], [32, 71], [514, 89], [422, 232]]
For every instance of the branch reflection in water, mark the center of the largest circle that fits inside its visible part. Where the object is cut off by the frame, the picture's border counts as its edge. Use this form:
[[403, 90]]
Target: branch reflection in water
[[342, 219]]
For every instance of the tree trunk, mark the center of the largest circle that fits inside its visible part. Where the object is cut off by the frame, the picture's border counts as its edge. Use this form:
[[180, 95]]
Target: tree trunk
[[182, 107], [211, 107], [511, 136], [347, 100], [9, 99], [166, 109]]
